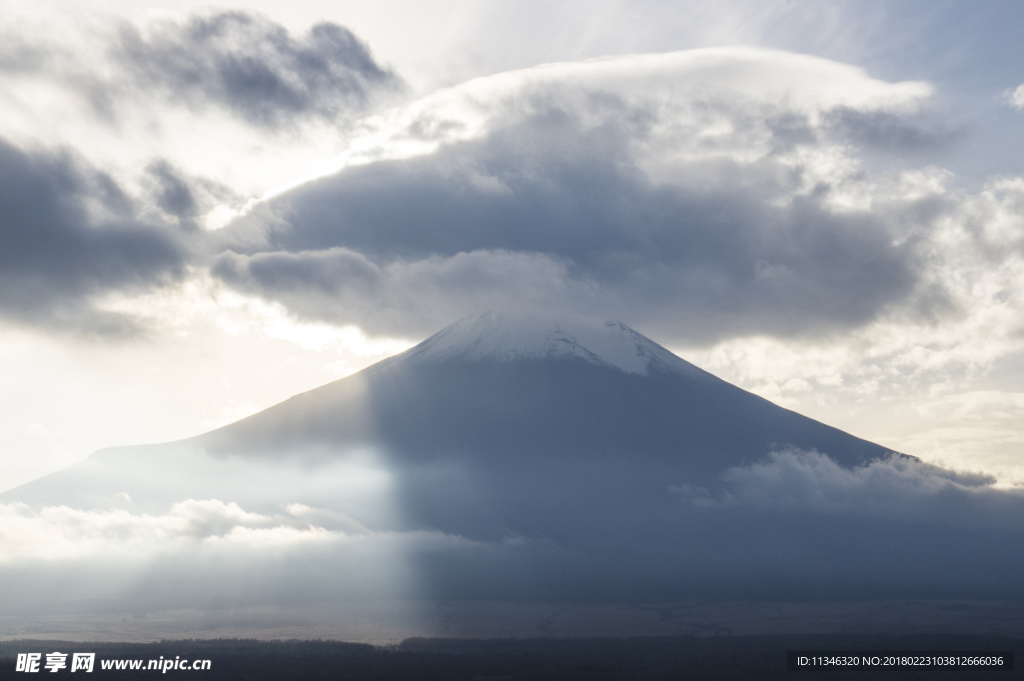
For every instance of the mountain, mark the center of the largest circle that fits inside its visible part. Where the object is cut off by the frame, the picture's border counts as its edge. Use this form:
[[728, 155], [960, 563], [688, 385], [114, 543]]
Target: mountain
[[491, 389], [520, 398], [562, 460]]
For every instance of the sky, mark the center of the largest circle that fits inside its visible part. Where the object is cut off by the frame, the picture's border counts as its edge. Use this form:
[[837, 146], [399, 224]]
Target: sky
[[207, 209]]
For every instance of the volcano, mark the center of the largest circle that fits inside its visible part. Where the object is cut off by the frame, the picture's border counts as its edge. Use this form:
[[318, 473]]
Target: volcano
[[561, 460], [514, 404]]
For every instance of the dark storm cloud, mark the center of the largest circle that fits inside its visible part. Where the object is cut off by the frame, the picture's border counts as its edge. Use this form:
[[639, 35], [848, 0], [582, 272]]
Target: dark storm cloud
[[67, 234], [254, 67], [717, 255]]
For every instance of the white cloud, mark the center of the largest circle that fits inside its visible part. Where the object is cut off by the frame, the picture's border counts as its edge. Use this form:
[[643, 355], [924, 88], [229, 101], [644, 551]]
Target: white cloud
[[62, 533], [896, 489], [689, 95], [190, 527], [1016, 97], [124, 93]]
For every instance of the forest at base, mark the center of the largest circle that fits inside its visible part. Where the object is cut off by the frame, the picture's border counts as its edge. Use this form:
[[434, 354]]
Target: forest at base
[[547, 659]]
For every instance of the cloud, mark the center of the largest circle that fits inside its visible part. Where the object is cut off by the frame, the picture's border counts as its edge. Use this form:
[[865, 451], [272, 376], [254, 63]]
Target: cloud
[[226, 95], [189, 201], [570, 529], [1016, 97], [402, 296], [173, 194], [61, 533], [115, 128], [899, 488], [58, 533], [913, 526], [200, 553], [882, 130], [253, 67], [705, 192], [69, 233], [238, 61], [700, 195]]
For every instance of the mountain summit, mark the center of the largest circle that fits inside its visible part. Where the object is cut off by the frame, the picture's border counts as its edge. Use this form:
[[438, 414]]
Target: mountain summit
[[504, 337]]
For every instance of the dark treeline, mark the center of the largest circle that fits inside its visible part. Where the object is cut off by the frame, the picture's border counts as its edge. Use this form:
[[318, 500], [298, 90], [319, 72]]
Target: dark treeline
[[548, 659]]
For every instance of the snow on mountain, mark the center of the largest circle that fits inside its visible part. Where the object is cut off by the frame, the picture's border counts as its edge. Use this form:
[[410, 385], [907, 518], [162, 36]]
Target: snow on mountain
[[508, 337]]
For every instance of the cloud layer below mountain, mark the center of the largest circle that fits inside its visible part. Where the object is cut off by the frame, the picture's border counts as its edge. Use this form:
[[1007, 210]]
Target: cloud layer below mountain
[[792, 525]]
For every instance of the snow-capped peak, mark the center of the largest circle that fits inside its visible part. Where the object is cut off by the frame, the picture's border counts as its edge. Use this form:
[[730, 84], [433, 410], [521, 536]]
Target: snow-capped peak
[[505, 337]]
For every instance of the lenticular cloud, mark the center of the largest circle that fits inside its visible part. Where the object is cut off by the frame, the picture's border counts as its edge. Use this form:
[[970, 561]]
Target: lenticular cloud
[[720, 185]]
